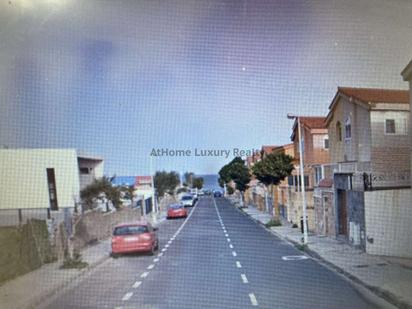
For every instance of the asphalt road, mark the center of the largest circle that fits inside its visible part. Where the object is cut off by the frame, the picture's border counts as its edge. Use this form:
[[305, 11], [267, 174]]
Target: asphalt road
[[217, 258]]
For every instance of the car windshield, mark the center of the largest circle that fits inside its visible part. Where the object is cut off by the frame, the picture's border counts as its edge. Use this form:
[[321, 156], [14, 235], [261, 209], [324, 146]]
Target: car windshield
[[187, 198], [130, 230], [175, 206]]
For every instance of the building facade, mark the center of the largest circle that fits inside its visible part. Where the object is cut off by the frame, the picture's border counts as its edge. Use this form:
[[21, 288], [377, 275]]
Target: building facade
[[315, 145], [370, 152], [43, 182]]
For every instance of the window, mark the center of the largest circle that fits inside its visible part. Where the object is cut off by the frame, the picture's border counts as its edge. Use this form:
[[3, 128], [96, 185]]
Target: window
[[318, 174], [339, 131], [396, 126], [348, 128], [84, 170], [294, 181], [130, 230], [51, 185], [326, 143], [320, 141], [390, 126]]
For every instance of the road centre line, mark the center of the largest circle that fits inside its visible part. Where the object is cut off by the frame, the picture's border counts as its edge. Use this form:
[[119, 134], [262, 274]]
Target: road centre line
[[244, 278], [144, 275], [127, 296], [137, 284], [253, 299]]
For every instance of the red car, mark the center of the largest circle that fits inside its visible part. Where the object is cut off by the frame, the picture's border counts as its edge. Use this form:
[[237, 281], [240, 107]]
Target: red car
[[134, 237], [176, 211]]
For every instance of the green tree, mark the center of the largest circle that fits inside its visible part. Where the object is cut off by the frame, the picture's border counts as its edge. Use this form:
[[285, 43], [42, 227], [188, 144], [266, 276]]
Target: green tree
[[166, 182], [101, 189], [198, 182], [274, 168], [188, 176], [129, 193], [237, 171]]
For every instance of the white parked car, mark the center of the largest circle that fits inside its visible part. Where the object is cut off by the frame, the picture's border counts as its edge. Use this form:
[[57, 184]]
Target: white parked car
[[187, 200]]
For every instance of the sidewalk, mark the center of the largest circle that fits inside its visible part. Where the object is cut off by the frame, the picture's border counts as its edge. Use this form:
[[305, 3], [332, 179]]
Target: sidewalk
[[29, 290], [389, 278]]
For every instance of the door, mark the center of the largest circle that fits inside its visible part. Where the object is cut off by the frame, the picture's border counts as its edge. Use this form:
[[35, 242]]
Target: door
[[342, 213]]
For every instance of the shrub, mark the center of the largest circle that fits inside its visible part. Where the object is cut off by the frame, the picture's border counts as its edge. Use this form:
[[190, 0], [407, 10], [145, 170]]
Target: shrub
[[74, 262], [301, 247], [273, 222], [230, 190], [180, 190]]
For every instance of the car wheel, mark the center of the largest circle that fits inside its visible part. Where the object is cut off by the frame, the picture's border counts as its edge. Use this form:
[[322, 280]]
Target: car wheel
[[114, 255]]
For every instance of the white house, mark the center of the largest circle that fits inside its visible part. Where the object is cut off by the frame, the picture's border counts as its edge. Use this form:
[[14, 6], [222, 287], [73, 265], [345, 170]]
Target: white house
[[43, 182]]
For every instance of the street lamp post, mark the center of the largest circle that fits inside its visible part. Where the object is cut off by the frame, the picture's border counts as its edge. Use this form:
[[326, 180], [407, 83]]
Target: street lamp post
[[302, 180]]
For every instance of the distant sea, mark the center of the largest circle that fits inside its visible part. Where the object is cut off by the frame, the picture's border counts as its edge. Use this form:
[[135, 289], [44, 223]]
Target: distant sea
[[210, 181]]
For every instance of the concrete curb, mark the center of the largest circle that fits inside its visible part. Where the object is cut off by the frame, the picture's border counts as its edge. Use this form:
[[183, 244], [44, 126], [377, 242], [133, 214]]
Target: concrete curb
[[385, 295]]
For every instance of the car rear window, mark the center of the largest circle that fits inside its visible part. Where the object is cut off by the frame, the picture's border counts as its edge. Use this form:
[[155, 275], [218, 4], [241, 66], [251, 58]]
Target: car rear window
[[130, 230], [185, 198]]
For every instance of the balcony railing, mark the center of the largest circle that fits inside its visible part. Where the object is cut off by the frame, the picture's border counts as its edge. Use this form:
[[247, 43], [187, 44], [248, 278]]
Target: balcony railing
[[363, 178]]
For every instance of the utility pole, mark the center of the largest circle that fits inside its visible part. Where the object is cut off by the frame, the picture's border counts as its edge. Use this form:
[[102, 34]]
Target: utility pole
[[302, 180]]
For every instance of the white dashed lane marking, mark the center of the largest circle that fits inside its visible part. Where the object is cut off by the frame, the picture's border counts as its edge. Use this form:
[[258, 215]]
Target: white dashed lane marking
[[253, 299], [238, 265], [150, 266], [234, 253], [244, 278], [127, 296], [155, 260], [145, 274], [228, 240], [137, 284]]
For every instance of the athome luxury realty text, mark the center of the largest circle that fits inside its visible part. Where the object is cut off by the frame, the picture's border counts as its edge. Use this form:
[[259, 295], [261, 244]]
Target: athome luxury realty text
[[197, 152]]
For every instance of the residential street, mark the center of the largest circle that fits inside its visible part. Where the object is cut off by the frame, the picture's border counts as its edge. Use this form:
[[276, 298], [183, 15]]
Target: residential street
[[201, 267]]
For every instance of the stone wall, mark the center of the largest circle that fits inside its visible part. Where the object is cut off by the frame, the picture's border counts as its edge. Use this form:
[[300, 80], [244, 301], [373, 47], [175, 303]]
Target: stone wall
[[24, 248], [324, 212], [94, 225]]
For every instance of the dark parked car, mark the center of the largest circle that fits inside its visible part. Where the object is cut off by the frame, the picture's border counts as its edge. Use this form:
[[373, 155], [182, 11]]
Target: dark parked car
[[217, 193]]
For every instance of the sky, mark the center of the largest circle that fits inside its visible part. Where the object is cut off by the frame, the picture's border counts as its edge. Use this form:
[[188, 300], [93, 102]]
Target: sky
[[121, 79]]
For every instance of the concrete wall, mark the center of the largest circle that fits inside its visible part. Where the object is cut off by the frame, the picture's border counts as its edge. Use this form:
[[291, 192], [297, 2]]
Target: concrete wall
[[388, 220], [294, 210], [23, 178], [358, 147], [390, 148]]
